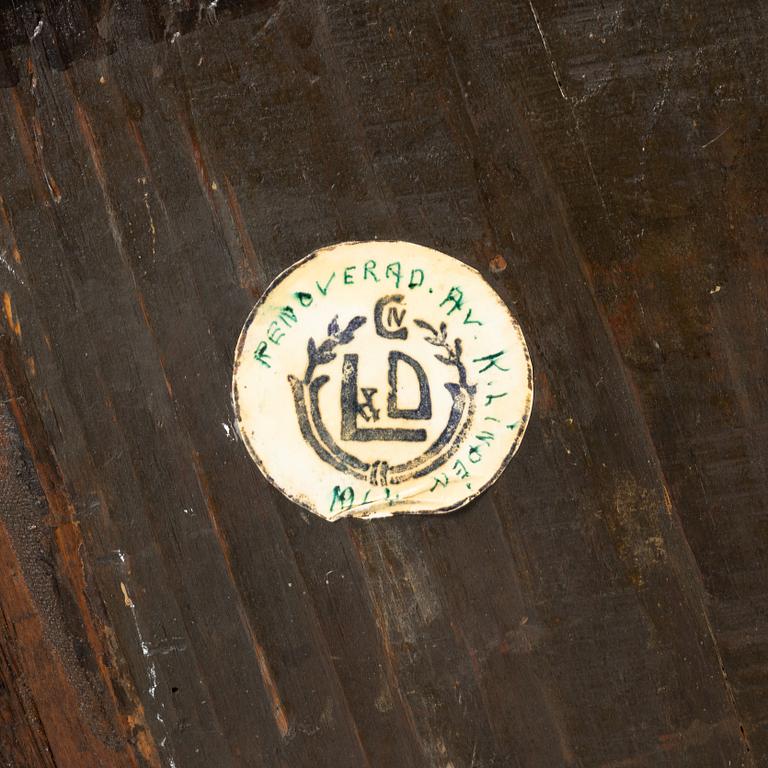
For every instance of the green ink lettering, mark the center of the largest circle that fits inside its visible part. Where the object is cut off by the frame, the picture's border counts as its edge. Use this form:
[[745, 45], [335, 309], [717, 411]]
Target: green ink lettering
[[440, 483], [288, 316], [491, 360], [348, 277], [490, 398], [393, 270], [455, 299], [485, 436], [275, 333], [460, 469], [368, 268], [412, 282], [305, 299], [344, 498], [324, 289], [261, 354], [469, 321]]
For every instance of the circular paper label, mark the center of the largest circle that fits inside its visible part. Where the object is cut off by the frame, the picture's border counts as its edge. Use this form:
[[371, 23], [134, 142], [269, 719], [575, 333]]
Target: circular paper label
[[379, 378]]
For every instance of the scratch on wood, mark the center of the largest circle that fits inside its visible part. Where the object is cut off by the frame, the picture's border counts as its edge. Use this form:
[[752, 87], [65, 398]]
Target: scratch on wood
[[153, 231], [270, 686], [552, 64], [251, 260], [28, 150], [278, 710], [53, 187], [576, 120], [86, 131], [719, 136]]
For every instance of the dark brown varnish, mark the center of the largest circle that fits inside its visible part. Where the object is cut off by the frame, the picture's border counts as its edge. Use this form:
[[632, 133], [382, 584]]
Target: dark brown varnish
[[603, 165]]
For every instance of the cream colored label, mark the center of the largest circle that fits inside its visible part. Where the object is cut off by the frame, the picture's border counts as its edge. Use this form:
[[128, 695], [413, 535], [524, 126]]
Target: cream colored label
[[380, 378]]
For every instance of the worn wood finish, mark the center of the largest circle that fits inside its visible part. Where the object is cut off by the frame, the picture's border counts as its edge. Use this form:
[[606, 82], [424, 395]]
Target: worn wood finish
[[603, 165]]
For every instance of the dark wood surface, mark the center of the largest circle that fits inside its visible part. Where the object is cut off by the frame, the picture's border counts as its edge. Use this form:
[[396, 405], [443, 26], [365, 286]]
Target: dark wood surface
[[603, 164]]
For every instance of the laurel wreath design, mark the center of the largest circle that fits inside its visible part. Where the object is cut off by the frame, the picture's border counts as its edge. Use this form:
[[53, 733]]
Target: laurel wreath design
[[305, 393], [336, 337], [452, 356]]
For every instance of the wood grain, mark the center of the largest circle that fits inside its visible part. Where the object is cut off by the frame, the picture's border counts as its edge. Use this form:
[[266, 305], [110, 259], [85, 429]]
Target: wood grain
[[602, 165]]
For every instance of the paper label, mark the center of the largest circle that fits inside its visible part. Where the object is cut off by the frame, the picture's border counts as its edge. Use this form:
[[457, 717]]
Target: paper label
[[380, 378]]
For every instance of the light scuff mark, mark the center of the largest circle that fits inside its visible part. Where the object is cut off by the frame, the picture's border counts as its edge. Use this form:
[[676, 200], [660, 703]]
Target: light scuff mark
[[151, 668], [9, 268], [548, 50], [152, 228], [570, 102]]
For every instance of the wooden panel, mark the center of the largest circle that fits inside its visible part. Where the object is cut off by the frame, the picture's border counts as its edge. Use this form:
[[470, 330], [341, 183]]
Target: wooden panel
[[604, 604]]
